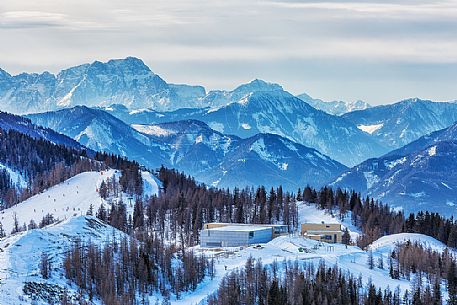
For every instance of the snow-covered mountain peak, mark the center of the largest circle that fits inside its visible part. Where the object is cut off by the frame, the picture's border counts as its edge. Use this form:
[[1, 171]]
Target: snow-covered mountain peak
[[129, 65], [406, 120], [305, 97], [258, 85], [334, 107], [412, 102]]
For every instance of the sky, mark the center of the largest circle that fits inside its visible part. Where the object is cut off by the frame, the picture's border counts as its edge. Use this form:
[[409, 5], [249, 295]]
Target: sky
[[376, 51]]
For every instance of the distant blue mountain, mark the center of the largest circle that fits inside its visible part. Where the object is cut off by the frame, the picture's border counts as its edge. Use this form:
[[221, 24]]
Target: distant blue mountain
[[192, 146], [334, 107], [125, 81], [419, 176], [398, 124], [23, 125], [260, 107]]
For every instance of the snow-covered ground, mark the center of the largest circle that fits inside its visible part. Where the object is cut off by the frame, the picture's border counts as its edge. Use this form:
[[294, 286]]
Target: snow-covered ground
[[370, 128], [70, 198], [388, 243]]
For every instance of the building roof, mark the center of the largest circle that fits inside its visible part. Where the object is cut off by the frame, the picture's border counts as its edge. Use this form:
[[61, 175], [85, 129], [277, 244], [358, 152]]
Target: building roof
[[321, 223], [316, 232], [245, 224], [244, 228]]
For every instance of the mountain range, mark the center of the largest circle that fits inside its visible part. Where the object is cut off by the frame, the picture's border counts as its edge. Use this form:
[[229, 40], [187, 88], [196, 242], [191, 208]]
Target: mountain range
[[400, 123], [419, 176], [267, 108], [334, 107], [128, 81], [192, 146], [225, 137]]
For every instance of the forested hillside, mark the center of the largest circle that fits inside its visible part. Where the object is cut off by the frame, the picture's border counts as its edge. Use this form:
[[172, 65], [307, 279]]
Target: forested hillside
[[29, 165]]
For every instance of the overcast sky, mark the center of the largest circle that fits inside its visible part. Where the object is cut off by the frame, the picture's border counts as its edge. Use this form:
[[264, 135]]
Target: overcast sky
[[378, 51]]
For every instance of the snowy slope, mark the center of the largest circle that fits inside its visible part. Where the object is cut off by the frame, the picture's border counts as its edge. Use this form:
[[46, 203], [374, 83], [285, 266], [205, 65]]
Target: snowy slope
[[387, 243], [70, 198], [20, 254], [15, 176], [151, 185]]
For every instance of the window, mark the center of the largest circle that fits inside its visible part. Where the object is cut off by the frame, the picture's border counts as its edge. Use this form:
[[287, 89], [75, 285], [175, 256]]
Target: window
[[251, 234], [214, 244], [328, 237]]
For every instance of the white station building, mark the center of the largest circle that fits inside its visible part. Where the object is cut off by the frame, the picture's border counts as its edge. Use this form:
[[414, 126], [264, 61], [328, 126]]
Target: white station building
[[237, 235]]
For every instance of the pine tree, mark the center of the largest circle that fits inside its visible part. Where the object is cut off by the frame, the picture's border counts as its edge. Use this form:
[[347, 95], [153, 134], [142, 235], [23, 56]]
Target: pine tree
[[452, 239], [45, 266], [452, 283], [437, 298], [103, 190], [346, 238], [138, 215], [102, 214], [32, 225], [90, 211], [2, 231], [16, 227]]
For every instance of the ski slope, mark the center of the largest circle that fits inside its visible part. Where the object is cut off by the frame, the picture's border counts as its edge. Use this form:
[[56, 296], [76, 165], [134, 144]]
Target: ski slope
[[70, 198], [151, 185]]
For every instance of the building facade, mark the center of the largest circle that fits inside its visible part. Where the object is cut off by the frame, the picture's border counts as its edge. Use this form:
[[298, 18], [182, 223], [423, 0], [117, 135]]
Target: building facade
[[236, 235], [324, 232]]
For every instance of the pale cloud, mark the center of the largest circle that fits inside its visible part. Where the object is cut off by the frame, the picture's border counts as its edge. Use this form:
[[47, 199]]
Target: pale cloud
[[20, 19], [302, 44], [380, 9]]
